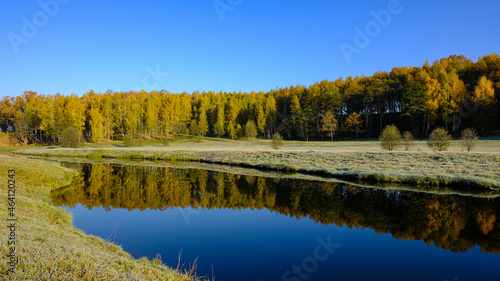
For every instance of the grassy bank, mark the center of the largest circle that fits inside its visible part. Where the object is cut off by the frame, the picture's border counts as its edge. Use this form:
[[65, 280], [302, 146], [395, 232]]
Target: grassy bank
[[48, 246], [453, 169]]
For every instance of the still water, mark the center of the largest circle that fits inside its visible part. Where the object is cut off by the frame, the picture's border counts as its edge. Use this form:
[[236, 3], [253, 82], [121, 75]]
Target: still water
[[245, 227]]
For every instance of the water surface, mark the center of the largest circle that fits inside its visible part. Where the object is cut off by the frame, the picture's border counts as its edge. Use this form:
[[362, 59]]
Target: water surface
[[243, 227]]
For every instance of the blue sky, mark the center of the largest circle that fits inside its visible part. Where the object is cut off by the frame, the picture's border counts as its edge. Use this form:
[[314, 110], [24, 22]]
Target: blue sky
[[247, 45]]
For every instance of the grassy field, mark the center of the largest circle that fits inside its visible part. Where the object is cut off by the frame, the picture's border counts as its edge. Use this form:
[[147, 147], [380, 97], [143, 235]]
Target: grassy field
[[48, 246], [214, 144], [354, 160]]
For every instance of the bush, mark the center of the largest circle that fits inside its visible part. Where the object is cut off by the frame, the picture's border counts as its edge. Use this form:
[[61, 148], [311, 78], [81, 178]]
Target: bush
[[439, 139], [128, 141], [469, 138], [277, 142], [70, 138], [407, 140], [165, 142], [390, 137], [250, 130]]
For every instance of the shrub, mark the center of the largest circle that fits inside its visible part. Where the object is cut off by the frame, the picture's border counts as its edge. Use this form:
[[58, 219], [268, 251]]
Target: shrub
[[165, 142], [469, 138], [250, 130], [390, 137], [407, 140], [277, 141], [70, 138], [439, 139], [128, 141]]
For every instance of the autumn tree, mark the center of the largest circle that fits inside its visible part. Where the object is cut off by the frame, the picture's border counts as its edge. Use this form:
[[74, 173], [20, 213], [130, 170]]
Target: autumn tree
[[354, 123], [132, 115], [299, 119], [329, 124], [458, 95], [451, 93], [107, 114], [219, 125], [151, 112], [97, 120], [484, 95]]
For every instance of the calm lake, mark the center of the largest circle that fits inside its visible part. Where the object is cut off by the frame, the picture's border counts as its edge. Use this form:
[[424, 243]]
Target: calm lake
[[247, 227]]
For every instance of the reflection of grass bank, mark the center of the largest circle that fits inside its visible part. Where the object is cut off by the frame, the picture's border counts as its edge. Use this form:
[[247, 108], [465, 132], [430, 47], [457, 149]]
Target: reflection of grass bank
[[464, 170], [48, 247], [238, 170]]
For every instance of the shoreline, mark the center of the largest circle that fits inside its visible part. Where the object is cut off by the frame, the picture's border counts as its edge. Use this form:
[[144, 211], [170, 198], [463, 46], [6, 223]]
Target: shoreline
[[48, 246], [470, 171]]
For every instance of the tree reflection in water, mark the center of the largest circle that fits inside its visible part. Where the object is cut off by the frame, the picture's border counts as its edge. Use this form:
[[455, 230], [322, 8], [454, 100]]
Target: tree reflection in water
[[452, 222]]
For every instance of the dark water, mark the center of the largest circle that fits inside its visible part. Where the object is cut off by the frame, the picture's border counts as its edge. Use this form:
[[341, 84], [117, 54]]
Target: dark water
[[240, 227]]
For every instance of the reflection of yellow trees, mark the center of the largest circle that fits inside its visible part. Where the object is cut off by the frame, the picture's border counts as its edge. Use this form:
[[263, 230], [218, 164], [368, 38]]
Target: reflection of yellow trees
[[486, 221], [457, 223], [434, 216]]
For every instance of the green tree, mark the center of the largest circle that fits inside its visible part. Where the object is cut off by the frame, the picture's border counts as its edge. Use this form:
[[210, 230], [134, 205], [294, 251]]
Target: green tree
[[390, 137], [277, 141], [21, 133], [439, 139], [70, 138], [250, 130]]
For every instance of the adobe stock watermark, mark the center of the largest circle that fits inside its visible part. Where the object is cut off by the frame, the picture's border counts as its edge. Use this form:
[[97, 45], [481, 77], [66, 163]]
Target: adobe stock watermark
[[363, 37], [221, 7], [152, 80], [188, 212], [48, 9], [310, 264]]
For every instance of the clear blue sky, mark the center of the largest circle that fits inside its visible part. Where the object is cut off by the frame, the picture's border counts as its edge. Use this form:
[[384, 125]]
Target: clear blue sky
[[257, 46]]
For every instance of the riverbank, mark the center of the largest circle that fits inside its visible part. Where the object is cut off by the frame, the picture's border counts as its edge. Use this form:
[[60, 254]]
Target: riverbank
[[461, 170], [47, 245]]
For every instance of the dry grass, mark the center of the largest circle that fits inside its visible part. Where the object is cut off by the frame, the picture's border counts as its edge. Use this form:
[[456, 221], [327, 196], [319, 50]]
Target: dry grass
[[48, 246]]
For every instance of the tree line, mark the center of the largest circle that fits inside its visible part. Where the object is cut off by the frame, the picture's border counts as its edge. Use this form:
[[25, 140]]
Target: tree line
[[452, 222], [453, 93]]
